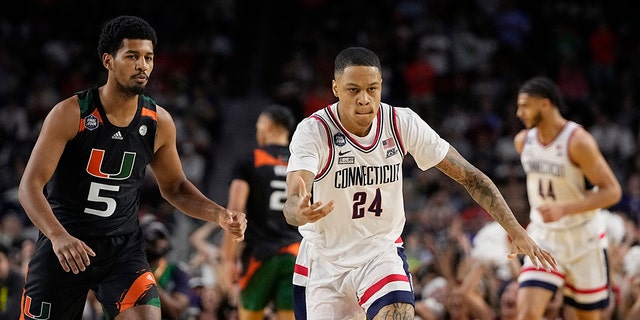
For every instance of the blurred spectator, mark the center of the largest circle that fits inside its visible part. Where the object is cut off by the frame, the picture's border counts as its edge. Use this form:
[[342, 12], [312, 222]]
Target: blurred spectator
[[471, 53], [419, 76], [11, 229], [630, 305], [603, 52], [630, 202], [507, 295], [432, 304], [172, 280], [491, 247], [215, 305], [11, 283], [572, 81], [436, 45], [513, 26], [205, 261], [616, 142]]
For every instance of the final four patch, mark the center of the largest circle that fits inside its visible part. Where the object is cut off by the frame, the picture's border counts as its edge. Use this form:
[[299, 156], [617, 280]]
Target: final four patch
[[91, 122], [339, 139]]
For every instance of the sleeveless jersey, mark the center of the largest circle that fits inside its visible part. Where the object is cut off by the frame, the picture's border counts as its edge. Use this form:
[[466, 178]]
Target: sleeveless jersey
[[95, 188], [265, 171], [363, 175], [552, 177]]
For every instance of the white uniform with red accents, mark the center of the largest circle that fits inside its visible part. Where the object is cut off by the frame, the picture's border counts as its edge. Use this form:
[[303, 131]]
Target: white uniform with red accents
[[349, 249], [574, 240], [552, 177]]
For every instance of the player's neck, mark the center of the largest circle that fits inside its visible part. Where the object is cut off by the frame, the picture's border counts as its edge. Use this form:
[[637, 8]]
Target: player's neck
[[120, 109], [278, 140], [548, 130]]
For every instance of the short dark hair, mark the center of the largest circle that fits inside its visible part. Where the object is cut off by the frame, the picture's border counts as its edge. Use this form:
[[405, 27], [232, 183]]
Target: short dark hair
[[281, 116], [545, 88], [356, 56], [124, 27]]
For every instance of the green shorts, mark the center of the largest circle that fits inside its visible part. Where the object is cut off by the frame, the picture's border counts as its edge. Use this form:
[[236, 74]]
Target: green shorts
[[271, 281]]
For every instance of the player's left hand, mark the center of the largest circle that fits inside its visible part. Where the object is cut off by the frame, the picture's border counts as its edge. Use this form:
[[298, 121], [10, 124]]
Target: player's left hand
[[522, 243], [234, 222]]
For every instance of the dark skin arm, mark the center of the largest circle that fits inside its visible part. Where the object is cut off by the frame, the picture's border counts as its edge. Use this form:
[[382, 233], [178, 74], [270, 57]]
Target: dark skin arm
[[60, 126], [238, 195], [179, 191]]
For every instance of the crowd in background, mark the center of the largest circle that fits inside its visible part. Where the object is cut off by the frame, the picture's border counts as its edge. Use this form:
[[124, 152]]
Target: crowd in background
[[457, 63]]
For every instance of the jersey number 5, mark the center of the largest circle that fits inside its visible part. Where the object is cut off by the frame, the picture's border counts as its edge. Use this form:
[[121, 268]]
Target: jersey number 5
[[360, 202], [94, 196]]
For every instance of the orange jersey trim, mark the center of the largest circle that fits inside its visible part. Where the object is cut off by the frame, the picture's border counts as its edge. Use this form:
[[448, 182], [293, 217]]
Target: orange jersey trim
[[263, 158], [141, 285], [149, 113], [253, 266]]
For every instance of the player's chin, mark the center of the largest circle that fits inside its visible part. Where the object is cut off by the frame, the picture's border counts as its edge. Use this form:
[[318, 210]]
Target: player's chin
[[365, 118]]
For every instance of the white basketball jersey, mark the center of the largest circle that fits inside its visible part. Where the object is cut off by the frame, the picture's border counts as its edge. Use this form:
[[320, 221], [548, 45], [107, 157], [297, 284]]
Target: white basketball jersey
[[363, 175], [552, 176]]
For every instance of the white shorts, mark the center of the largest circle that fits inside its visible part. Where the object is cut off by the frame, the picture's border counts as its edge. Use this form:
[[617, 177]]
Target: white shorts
[[582, 264], [330, 292]]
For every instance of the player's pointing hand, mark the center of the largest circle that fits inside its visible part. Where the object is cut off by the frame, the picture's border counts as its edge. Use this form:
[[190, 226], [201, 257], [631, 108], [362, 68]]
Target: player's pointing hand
[[310, 212]]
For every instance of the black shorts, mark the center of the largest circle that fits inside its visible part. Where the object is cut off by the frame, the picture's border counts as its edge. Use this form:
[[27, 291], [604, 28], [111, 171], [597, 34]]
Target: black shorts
[[119, 275]]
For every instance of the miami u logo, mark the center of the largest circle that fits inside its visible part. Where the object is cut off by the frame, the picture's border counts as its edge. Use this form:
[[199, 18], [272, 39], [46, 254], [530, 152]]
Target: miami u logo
[[45, 310], [105, 204], [94, 167]]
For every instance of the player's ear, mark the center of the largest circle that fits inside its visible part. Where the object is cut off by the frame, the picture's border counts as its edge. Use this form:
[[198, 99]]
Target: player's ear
[[334, 88], [106, 60]]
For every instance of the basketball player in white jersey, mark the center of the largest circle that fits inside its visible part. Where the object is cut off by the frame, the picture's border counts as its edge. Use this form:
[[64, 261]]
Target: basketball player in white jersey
[[349, 154], [559, 156]]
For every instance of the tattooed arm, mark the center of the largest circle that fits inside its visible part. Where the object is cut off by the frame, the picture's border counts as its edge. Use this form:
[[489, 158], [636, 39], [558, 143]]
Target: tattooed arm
[[486, 194]]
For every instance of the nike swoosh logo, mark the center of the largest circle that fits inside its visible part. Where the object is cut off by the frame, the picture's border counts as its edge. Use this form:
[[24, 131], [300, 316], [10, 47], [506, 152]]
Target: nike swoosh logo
[[340, 153]]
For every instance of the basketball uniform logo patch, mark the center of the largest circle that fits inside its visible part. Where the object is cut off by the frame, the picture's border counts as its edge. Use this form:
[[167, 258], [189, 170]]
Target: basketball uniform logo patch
[[389, 147], [142, 130], [339, 139], [91, 122]]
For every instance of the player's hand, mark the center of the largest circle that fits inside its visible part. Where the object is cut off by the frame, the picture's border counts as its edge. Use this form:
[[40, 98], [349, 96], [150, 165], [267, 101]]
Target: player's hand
[[550, 212], [310, 212], [522, 243], [72, 253], [234, 222]]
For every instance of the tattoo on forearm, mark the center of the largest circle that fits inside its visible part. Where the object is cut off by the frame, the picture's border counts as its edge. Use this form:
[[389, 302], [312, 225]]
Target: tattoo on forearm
[[479, 186], [396, 311]]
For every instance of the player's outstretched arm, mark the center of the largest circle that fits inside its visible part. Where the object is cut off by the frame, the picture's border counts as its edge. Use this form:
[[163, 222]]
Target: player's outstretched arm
[[179, 191], [487, 195]]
